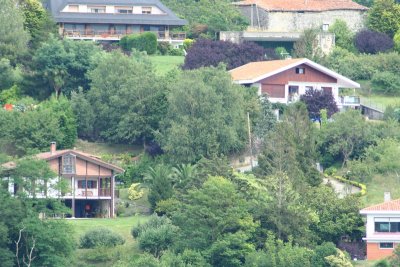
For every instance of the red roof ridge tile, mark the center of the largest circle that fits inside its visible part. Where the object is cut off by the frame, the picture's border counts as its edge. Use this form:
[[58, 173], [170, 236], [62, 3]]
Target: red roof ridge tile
[[392, 205]]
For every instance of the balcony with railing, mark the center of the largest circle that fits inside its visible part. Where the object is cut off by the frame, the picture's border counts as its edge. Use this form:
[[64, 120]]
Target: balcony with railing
[[117, 35], [350, 100]]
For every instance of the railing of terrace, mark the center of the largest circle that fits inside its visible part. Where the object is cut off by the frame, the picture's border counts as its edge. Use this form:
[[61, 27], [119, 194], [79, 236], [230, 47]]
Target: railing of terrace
[[119, 34]]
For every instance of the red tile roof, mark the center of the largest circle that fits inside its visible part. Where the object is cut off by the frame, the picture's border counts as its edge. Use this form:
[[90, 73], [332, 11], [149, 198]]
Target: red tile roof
[[58, 153], [254, 70], [393, 205], [304, 5]]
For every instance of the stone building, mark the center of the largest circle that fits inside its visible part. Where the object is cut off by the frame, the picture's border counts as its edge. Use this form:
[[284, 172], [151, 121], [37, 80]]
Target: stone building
[[298, 15]]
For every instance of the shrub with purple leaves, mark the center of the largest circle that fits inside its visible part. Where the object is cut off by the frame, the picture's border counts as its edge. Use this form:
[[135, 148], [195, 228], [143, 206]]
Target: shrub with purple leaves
[[318, 99], [205, 53], [370, 42]]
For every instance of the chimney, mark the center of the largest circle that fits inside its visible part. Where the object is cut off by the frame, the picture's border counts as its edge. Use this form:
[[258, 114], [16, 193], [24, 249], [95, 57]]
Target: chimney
[[53, 147], [386, 196]]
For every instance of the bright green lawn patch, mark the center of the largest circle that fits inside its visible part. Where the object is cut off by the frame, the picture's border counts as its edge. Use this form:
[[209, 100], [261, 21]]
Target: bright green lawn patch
[[380, 184], [374, 100], [123, 226], [164, 64], [99, 149], [364, 263], [380, 101], [107, 257]]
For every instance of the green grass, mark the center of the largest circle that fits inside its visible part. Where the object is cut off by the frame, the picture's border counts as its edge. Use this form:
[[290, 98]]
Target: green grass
[[164, 64], [122, 226], [364, 263], [99, 149], [380, 184], [379, 101]]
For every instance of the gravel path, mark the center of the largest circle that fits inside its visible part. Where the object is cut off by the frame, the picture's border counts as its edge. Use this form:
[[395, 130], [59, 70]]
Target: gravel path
[[342, 189]]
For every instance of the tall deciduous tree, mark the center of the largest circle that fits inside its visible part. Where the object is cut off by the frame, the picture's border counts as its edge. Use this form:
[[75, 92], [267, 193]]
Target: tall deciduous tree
[[343, 35], [128, 100], [384, 16], [215, 218], [13, 37], [347, 134], [206, 116], [37, 22]]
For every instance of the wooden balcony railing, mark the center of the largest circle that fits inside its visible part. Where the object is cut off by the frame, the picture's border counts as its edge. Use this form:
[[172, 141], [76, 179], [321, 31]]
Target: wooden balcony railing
[[105, 192], [120, 34]]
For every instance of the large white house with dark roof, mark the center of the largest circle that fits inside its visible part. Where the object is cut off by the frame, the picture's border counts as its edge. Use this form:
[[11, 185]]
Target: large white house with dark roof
[[110, 20]]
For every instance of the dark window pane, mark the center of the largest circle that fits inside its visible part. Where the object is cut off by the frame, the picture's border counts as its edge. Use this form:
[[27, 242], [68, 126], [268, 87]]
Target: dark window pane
[[381, 226]]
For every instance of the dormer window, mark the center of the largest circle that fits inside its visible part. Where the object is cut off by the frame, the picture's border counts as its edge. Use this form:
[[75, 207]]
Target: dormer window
[[73, 8], [123, 10], [146, 10], [96, 9], [68, 164]]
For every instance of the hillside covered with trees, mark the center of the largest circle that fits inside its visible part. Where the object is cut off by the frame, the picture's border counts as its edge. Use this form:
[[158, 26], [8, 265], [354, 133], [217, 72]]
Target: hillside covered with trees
[[189, 122]]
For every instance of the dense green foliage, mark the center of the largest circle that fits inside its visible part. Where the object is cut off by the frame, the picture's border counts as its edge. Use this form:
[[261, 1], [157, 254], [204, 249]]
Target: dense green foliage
[[127, 102], [101, 237], [13, 37], [206, 116], [384, 16], [37, 22], [32, 130], [39, 242], [207, 17], [146, 41], [343, 35]]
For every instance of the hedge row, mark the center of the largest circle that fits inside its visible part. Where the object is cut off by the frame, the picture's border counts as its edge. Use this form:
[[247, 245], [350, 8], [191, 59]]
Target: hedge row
[[146, 41]]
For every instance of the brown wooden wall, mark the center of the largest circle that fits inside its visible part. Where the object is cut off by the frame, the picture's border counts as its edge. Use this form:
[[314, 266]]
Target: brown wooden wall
[[311, 75], [82, 168]]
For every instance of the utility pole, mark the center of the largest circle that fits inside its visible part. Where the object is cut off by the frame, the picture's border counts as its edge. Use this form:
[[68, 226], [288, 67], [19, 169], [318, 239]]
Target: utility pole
[[251, 147]]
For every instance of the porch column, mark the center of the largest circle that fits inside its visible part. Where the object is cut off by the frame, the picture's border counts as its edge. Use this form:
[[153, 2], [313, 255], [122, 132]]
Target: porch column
[[112, 194], [73, 197]]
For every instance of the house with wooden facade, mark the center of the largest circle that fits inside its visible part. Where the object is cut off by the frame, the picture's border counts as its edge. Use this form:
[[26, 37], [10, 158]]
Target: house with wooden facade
[[382, 228], [111, 20], [89, 182], [284, 81]]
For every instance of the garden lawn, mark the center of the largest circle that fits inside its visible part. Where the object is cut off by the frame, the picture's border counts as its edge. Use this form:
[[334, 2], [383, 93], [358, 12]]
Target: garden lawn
[[122, 226], [97, 148], [164, 64], [380, 184], [106, 257]]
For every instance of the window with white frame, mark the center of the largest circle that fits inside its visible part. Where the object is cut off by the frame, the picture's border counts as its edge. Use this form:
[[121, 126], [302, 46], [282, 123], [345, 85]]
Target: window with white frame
[[146, 9], [73, 8], [386, 245], [387, 225], [96, 9], [68, 164], [123, 10]]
